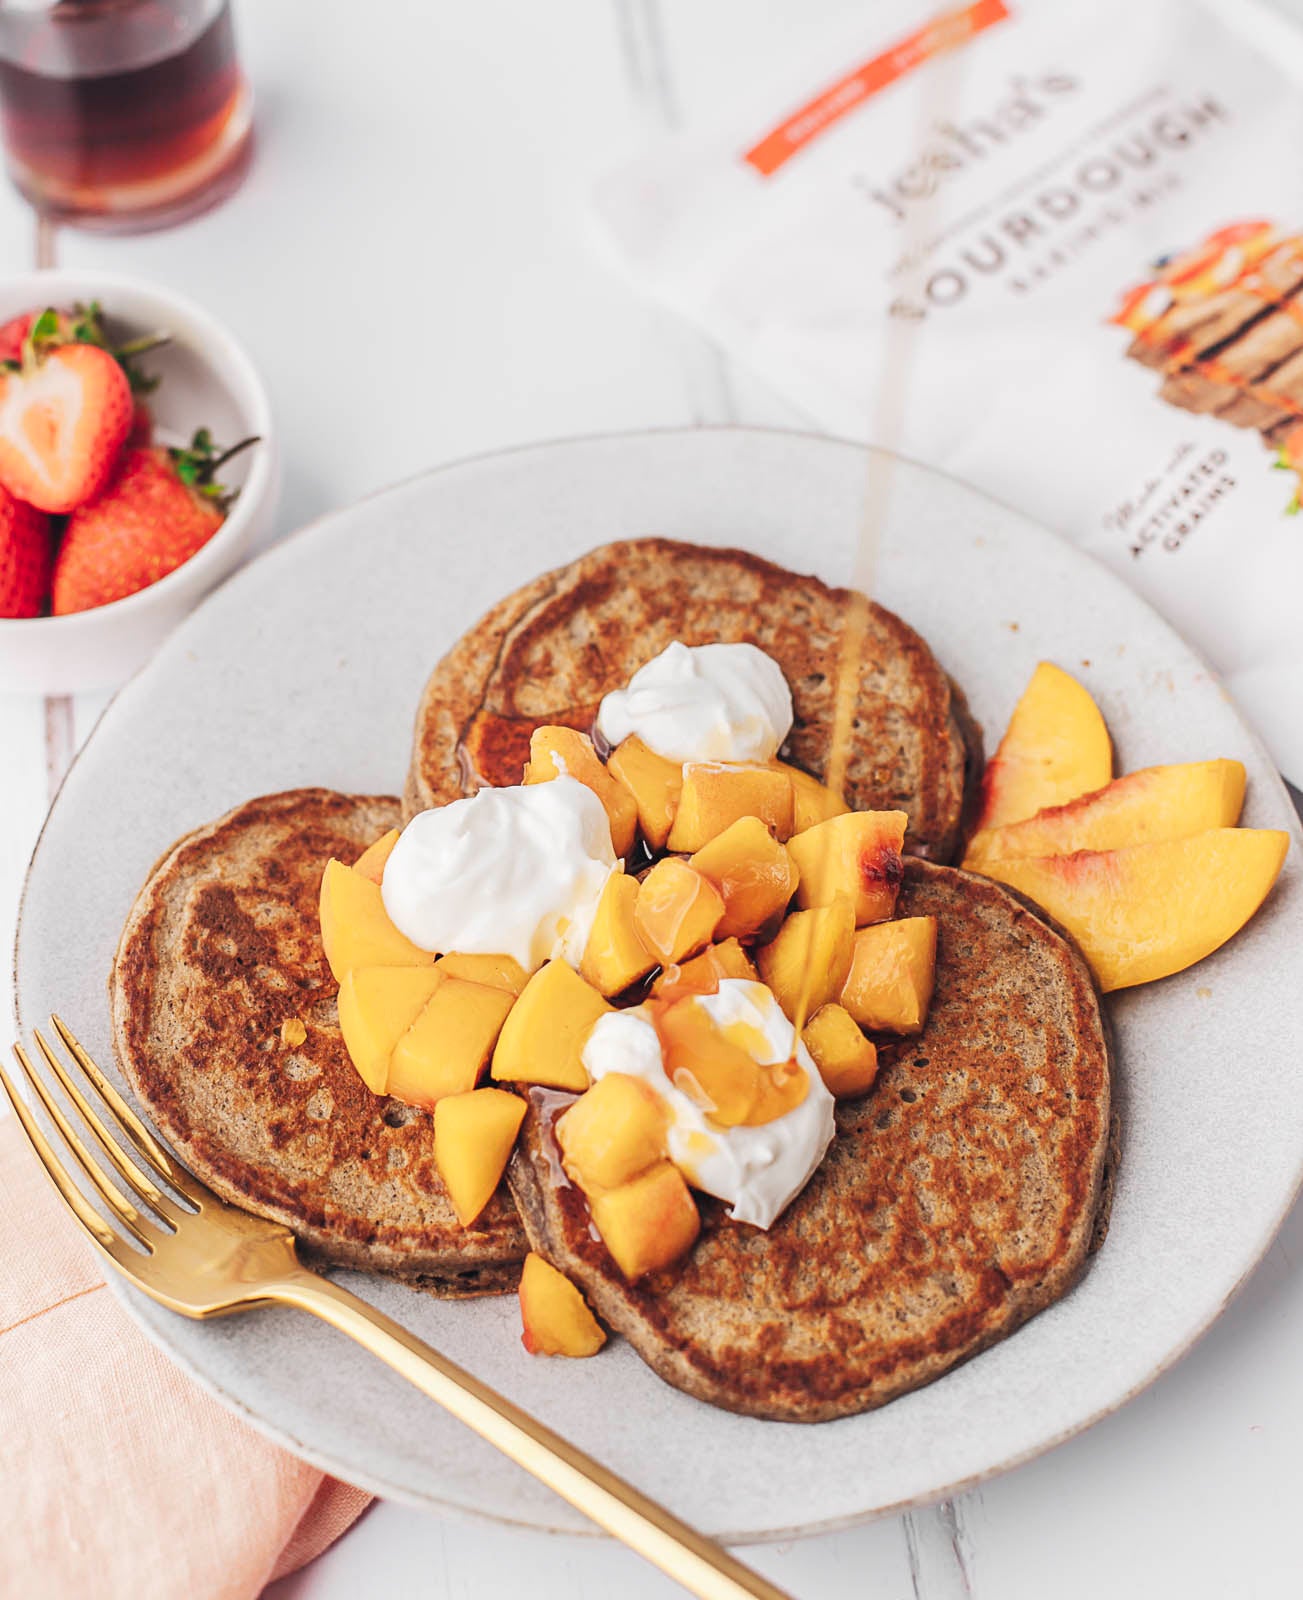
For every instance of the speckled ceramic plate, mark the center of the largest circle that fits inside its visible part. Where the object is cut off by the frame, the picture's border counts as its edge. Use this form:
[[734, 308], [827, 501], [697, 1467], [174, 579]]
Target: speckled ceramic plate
[[306, 668]]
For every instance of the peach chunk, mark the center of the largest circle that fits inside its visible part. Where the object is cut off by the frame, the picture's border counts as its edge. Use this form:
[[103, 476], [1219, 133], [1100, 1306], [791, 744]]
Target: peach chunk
[[554, 1316], [812, 801], [648, 1222], [893, 967], [371, 863], [1055, 748], [355, 927], [1153, 909], [473, 1136], [612, 1133], [806, 965], [448, 1046], [495, 972], [716, 793], [856, 855], [542, 1040], [677, 910], [615, 955], [847, 1061], [1156, 803], [752, 871], [377, 1005], [555, 750], [701, 975], [655, 784]]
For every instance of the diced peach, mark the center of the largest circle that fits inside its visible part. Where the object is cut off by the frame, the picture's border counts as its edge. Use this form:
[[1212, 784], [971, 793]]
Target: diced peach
[[371, 863], [473, 1136], [448, 1046], [648, 1222], [677, 911], [543, 1038], [355, 927], [495, 972], [858, 855], [752, 871], [613, 1132], [615, 955], [554, 1316], [893, 967], [1055, 748], [377, 1005], [654, 783], [701, 975], [847, 1061], [555, 750], [806, 965], [715, 794], [1153, 909], [812, 801], [1156, 803]]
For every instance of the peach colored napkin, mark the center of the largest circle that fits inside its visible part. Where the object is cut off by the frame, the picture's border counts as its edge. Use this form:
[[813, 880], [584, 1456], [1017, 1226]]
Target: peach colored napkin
[[121, 1478]]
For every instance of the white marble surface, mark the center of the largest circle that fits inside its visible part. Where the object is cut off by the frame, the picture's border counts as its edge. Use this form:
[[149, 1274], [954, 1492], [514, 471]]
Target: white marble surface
[[408, 262]]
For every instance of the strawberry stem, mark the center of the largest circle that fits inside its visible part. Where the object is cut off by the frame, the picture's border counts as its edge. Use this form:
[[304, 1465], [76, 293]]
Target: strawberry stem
[[196, 465]]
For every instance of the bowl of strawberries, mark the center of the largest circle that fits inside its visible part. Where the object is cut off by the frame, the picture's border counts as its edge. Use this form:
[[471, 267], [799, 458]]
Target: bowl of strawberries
[[137, 466]]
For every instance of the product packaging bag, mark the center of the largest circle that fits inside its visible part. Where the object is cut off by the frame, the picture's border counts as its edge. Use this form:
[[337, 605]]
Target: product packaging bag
[[1074, 234]]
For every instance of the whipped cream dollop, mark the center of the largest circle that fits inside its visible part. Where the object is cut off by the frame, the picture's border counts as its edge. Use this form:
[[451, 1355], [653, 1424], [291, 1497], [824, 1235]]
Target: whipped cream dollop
[[511, 871], [706, 702], [760, 1170]]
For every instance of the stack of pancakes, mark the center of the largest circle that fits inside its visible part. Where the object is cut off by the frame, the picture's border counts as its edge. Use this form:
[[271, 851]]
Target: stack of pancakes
[[961, 1195]]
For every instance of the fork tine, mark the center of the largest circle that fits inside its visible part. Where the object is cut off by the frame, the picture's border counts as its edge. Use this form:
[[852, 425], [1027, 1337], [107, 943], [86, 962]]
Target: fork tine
[[128, 1170], [122, 1208], [142, 1141], [103, 1236]]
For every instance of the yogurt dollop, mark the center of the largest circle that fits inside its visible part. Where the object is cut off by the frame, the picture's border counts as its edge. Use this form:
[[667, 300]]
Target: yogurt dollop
[[513, 871], [760, 1170], [706, 702]]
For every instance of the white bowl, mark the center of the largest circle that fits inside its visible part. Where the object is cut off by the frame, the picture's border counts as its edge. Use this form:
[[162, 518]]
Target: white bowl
[[207, 381]]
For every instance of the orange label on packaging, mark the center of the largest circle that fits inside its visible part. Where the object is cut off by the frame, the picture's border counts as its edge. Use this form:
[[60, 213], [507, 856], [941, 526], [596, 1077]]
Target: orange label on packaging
[[943, 33]]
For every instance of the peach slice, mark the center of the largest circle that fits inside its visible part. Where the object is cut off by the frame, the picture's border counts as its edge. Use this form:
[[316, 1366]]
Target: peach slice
[[612, 1133], [677, 910], [554, 1316], [554, 751], [701, 975], [377, 1005], [893, 968], [810, 958], [473, 1136], [648, 1222], [752, 871], [615, 955], [1153, 909], [542, 1040], [847, 1061], [812, 801], [355, 927], [655, 784], [1055, 748], [716, 793], [494, 972], [1155, 803], [371, 863], [858, 855], [448, 1046]]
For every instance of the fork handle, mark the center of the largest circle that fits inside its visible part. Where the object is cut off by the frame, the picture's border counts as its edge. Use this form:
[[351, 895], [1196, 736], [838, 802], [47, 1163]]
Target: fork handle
[[703, 1567]]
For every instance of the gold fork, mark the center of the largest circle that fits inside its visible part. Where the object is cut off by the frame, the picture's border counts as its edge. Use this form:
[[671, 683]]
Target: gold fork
[[205, 1258]]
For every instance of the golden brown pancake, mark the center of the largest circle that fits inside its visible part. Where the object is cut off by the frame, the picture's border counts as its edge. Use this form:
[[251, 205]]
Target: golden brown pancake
[[549, 652], [221, 948], [960, 1196]]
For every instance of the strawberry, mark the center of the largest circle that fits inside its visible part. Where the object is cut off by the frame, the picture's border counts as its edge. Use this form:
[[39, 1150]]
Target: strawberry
[[12, 335], [63, 419], [25, 558], [159, 507]]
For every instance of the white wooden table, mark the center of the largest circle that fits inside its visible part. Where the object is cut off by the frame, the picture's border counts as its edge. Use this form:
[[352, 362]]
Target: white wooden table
[[408, 263]]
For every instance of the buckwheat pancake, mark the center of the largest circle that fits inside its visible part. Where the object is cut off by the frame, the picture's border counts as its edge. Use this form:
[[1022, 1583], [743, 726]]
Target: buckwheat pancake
[[960, 1196], [550, 651], [222, 948]]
